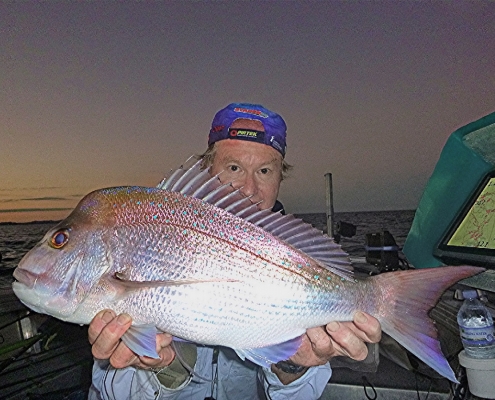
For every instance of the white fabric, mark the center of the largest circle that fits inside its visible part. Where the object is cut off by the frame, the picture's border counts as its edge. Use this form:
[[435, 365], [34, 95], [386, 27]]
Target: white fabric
[[237, 380]]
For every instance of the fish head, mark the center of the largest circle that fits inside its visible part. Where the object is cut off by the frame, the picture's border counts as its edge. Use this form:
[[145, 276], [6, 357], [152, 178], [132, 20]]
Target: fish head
[[57, 275]]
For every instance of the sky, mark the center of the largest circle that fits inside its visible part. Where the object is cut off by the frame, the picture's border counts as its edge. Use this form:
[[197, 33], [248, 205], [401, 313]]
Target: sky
[[99, 94]]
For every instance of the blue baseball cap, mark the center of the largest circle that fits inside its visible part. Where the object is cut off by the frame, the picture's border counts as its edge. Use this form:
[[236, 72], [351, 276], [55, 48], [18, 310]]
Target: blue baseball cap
[[275, 128]]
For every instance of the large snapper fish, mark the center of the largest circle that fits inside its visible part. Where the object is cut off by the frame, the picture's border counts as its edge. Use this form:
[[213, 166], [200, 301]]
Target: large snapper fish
[[196, 259]]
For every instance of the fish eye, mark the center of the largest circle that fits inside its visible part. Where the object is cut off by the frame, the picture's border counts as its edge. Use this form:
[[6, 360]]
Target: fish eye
[[59, 239]]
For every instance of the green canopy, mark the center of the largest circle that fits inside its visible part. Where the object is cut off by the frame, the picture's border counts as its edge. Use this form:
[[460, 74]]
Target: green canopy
[[466, 158]]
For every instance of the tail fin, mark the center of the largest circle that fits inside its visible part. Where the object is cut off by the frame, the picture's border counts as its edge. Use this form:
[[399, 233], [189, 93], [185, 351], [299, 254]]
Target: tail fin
[[409, 295]]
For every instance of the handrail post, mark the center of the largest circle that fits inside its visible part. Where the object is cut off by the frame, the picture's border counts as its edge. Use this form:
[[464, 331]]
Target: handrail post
[[329, 198]]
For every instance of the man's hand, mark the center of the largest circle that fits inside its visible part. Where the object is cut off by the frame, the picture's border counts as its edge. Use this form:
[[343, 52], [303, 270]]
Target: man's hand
[[105, 333], [338, 339], [320, 344]]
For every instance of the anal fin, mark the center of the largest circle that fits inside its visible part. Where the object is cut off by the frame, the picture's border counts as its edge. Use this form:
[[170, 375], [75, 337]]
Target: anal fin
[[265, 356]]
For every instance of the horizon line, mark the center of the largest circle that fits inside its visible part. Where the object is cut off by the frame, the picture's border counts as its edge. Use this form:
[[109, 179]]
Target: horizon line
[[19, 210]]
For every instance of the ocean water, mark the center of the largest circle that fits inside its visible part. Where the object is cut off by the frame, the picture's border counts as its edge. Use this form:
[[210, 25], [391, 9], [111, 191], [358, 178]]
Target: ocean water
[[17, 239], [398, 223]]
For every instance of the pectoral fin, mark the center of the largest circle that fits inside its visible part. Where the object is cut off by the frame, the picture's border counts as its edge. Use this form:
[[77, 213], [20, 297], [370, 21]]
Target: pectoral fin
[[141, 339]]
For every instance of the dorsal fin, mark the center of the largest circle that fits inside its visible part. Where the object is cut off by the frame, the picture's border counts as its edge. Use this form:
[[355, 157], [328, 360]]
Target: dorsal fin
[[192, 180]]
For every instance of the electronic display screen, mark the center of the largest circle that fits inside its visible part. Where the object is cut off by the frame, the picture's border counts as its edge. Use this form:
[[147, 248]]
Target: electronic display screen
[[471, 237]]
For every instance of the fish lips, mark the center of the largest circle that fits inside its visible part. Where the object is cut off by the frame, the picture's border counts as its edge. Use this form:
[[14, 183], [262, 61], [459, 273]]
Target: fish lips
[[28, 297], [25, 277], [43, 302], [40, 302]]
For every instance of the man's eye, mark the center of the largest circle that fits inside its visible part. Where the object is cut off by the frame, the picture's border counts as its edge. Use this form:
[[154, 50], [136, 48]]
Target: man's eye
[[234, 168], [264, 170]]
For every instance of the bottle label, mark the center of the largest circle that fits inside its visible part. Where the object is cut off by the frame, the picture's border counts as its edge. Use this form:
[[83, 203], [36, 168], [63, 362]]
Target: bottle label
[[483, 336]]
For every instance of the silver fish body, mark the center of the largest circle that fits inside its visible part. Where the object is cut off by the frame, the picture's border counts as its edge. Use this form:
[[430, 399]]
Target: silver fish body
[[216, 274], [221, 275]]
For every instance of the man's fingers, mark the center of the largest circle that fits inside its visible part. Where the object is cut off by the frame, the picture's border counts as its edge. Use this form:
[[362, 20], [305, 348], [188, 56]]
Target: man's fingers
[[321, 342], [109, 338], [122, 357], [98, 324], [165, 351], [163, 340], [346, 341], [105, 333], [166, 354], [316, 348], [369, 325]]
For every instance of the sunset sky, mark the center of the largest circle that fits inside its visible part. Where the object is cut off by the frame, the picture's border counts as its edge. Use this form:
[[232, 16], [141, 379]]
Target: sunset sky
[[98, 94]]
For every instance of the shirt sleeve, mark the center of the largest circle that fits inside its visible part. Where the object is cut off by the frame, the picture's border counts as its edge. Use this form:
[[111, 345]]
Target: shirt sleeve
[[109, 383], [309, 386]]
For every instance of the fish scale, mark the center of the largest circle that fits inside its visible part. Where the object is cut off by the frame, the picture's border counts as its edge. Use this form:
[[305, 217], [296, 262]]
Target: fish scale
[[247, 262], [232, 234], [196, 259]]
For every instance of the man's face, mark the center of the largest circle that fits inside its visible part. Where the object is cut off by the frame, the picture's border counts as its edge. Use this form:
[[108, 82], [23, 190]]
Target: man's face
[[254, 167]]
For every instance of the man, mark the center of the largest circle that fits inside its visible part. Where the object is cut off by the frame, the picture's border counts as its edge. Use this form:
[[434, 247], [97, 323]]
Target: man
[[246, 148]]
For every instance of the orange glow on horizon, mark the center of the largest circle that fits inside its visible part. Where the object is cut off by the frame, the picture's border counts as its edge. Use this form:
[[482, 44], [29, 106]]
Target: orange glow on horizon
[[30, 216]]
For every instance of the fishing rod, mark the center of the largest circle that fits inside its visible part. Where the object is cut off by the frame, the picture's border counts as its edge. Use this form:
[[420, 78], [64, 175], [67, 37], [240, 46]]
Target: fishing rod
[[23, 345]]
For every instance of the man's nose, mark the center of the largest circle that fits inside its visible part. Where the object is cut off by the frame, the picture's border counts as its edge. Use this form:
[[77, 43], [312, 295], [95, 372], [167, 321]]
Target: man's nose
[[247, 186]]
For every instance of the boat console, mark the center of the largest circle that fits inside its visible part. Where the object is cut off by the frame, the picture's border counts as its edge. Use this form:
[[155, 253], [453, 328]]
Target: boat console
[[454, 223]]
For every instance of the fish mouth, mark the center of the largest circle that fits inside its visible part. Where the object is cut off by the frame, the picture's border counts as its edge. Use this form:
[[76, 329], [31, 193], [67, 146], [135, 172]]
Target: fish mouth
[[25, 277]]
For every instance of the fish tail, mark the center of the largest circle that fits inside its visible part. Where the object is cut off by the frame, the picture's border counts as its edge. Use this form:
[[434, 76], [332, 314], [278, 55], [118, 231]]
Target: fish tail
[[407, 297]]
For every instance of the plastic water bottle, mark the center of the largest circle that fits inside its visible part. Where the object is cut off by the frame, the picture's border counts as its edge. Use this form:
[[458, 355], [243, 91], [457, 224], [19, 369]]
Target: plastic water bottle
[[476, 327]]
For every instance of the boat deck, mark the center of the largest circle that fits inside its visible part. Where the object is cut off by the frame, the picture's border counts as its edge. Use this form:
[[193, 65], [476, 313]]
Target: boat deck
[[58, 366]]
